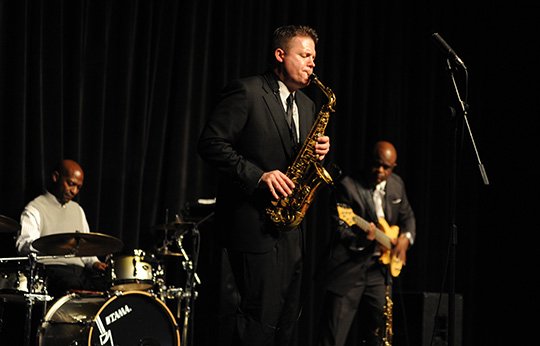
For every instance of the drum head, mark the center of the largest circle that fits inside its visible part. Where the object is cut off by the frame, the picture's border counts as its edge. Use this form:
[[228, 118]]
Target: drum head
[[67, 321], [132, 273], [134, 318], [129, 318]]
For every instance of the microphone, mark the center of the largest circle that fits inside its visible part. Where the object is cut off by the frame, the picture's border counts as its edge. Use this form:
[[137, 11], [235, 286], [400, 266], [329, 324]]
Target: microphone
[[445, 47]]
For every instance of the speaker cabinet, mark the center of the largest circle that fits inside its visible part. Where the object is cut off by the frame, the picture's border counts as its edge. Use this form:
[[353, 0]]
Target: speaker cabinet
[[421, 318]]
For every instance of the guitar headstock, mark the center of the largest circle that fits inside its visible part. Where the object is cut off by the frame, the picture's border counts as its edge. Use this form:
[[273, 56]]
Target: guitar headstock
[[346, 214]]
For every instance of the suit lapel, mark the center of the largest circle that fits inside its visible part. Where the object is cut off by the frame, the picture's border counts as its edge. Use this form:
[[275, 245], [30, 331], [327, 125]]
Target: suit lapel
[[278, 115], [366, 196], [389, 196]]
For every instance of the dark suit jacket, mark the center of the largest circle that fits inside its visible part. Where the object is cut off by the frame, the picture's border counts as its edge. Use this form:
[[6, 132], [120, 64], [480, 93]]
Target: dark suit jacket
[[246, 135], [349, 246]]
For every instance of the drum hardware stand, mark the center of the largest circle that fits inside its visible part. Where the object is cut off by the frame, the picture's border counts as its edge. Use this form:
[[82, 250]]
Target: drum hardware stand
[[192, 277], [188, 294], [31, 297], [160, 283], [2, 304], [166, 242]]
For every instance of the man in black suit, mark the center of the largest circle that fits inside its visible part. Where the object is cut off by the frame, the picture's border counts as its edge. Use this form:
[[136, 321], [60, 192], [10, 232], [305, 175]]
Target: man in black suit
[[250, 142], [354, 277]]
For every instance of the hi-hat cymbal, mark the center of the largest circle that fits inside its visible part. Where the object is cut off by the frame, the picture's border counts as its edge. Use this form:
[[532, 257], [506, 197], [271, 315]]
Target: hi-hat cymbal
[[8, 225], [78, 244], [167, 252]]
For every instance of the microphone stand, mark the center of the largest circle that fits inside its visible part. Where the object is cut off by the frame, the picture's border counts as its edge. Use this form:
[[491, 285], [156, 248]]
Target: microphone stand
[[453, 191]]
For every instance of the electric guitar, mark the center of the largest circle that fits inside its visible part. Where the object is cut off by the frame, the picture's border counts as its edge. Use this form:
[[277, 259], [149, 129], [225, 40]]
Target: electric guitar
[[384, 237]]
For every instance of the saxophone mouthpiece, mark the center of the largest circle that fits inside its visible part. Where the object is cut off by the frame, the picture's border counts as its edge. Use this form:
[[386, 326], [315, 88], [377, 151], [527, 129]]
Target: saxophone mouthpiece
[[312, 76]]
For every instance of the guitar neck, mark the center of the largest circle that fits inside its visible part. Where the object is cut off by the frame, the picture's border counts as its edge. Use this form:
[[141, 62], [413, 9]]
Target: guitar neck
[[380, 236]]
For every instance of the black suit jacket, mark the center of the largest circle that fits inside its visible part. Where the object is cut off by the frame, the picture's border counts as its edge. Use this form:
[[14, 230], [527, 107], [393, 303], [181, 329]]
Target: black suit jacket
[[246, 135], [349, 247]]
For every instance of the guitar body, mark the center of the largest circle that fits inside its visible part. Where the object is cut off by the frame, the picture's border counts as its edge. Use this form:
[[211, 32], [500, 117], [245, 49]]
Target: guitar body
[[393, 262]]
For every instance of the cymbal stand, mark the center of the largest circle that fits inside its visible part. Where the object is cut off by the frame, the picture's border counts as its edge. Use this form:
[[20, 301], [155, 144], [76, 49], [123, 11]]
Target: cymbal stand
[[32, 296], [192, 277], [188, 294], [160, 282], [165, 244]]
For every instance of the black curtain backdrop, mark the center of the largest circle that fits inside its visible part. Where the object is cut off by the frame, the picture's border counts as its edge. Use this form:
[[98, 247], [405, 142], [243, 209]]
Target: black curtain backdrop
[[124, 87]]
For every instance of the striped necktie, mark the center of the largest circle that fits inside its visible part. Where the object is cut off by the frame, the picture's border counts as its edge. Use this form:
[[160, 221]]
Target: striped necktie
[[290, 119]]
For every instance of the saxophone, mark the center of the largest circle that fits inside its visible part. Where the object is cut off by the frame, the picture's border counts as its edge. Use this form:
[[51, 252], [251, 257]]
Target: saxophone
[[306, 172], [388, 332]]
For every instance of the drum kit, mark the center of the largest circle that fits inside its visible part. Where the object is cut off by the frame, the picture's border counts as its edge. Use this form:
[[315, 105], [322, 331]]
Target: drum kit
[[143, 286]]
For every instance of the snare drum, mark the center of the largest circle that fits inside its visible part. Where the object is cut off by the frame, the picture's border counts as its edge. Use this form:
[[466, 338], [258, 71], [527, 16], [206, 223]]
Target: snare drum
[[131, 273], [128, 318]]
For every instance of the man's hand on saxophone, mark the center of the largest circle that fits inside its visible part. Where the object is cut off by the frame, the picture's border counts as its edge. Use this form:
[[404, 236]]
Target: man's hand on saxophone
[[322, 147], [277, 183]]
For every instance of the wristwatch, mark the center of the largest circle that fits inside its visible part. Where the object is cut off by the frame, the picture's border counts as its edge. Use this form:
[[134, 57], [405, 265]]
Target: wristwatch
[[408, 235]]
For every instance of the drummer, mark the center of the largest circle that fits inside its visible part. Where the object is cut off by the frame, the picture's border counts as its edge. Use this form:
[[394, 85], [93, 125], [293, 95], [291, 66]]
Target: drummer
[[54, 212]]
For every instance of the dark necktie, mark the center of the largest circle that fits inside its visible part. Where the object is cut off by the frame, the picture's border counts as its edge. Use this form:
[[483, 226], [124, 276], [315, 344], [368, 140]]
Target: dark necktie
[[290, 119]]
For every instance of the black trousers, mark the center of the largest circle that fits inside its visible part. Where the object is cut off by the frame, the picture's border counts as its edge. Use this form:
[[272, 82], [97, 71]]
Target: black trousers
[[366, 299], [269, 287]]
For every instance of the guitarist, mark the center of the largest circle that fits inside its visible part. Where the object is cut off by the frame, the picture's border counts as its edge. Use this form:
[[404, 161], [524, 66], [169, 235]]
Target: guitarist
[[353, 277]]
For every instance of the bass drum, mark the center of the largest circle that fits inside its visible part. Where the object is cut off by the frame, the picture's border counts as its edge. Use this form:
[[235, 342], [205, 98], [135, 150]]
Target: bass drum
[[129, 318]]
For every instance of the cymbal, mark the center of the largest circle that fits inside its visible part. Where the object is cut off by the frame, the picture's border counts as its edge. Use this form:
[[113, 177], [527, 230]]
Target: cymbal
[[8, 224], [166, 252], [78, 243]]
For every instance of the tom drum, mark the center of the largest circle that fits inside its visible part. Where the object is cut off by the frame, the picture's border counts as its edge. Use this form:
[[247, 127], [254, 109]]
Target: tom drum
[[15, 280], [132, 272]]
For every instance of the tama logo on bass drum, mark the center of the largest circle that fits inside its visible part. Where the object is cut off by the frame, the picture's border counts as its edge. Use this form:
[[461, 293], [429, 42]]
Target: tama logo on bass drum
[[119, 313]]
